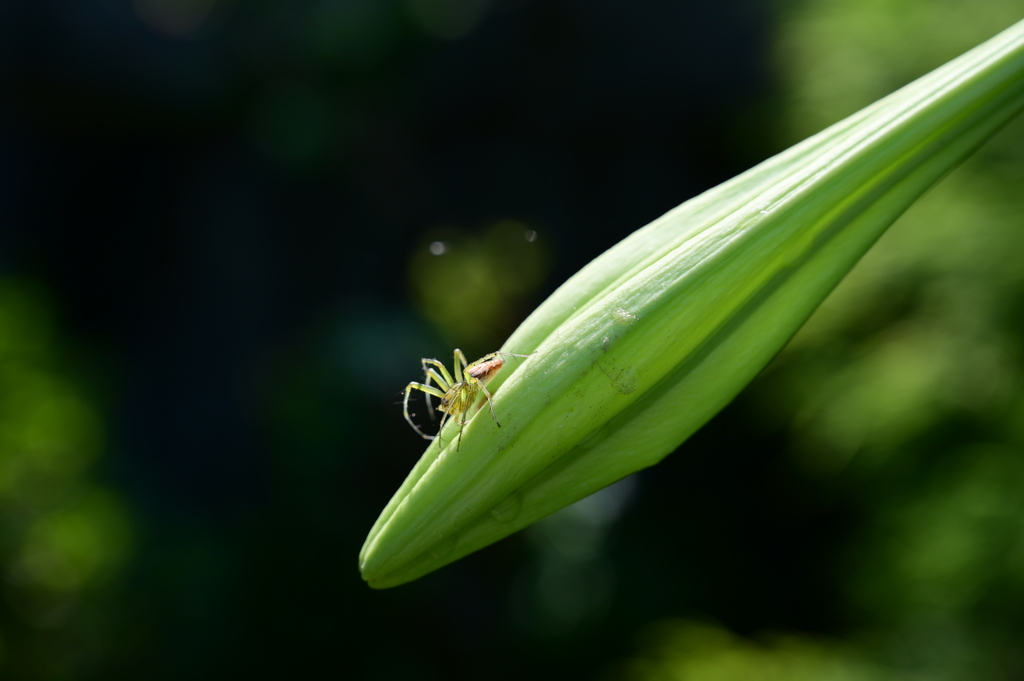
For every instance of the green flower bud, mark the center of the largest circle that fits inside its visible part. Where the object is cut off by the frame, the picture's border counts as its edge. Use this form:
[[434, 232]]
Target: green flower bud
[[645, 344]]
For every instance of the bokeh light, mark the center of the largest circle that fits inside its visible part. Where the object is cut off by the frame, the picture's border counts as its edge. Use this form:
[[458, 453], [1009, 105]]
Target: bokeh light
[[448, 18], [684, 650], [65, 537], [476, 287]]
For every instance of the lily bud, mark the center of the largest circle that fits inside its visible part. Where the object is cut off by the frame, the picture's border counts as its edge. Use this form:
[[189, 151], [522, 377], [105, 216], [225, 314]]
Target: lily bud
[[645, 344]]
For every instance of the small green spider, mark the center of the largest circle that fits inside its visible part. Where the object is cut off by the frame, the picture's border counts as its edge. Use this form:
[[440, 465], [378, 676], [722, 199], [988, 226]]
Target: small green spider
[[459, 393]]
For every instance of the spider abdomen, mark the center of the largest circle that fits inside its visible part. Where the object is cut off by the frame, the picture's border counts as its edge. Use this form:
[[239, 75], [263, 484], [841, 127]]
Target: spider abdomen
[[485, 371]]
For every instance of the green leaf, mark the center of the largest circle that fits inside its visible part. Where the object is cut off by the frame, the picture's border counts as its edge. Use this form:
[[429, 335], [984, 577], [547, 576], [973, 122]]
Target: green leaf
[[651, 339]]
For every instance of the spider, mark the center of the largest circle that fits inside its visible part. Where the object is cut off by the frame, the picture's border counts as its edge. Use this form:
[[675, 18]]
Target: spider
[[457, 394]]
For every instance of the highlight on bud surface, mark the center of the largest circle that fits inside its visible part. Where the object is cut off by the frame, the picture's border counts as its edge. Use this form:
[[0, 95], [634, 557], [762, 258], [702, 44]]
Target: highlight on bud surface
[[651, 339]]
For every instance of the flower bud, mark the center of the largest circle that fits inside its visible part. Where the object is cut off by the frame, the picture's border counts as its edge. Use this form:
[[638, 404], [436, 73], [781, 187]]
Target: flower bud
[[650, 340]]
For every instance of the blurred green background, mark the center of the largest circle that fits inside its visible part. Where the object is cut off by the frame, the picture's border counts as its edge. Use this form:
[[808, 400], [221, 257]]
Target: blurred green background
[[229, 230]]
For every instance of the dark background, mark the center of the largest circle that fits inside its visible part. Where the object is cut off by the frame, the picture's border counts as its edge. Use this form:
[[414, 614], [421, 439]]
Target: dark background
[[224, 209]]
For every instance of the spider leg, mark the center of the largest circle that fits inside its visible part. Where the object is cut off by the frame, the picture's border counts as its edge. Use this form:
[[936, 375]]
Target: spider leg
[[440, 429], [430, 390], [462, 427], [487, 397], [459, 355], [433, 375], [444, 379]]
